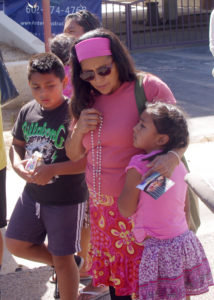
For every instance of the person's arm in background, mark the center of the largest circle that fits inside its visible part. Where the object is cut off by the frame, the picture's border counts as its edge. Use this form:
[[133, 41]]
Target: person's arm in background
[[211, 33]]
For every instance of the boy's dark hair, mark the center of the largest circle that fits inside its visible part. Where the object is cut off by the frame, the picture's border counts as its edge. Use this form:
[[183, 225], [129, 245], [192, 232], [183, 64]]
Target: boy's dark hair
[[61, 45], [169, 119], [85, 19], [83, 96], [45, 63]]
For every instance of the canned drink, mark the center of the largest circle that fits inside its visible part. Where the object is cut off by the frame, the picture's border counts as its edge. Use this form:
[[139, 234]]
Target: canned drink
[[34, 161]]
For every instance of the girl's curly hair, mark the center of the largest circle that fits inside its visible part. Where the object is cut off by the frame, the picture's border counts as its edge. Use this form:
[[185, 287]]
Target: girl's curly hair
[[169, 119]]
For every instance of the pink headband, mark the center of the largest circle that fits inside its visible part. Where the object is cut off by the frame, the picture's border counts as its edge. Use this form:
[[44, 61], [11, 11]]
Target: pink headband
[[92, 48]]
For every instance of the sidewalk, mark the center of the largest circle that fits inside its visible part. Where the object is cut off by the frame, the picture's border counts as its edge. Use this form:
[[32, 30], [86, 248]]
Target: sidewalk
[[32, 283]]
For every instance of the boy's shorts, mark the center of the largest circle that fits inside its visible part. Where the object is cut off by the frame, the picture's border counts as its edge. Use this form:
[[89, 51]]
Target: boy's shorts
[[61, 224], [3, 210]]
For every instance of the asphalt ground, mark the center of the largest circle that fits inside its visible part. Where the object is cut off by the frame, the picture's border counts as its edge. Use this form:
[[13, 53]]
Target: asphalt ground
[[188, 73]]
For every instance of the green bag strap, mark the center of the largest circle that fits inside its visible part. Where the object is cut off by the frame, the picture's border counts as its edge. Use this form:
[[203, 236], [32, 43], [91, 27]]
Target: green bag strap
[[140, 96]]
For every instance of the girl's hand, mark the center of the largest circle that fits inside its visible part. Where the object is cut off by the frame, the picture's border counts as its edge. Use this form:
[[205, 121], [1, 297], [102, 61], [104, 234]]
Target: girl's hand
[[164, 164], [89, 119], [43, 174]]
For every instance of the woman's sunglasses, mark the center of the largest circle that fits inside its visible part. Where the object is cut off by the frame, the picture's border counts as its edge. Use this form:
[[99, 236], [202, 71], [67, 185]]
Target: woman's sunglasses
[[101, 71]]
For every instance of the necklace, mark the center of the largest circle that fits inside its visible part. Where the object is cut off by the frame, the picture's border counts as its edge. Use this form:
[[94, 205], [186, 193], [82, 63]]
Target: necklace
[[96, 162]]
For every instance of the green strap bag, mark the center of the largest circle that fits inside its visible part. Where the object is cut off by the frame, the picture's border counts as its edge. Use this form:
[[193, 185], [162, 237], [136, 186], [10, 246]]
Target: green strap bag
[[193, 199]]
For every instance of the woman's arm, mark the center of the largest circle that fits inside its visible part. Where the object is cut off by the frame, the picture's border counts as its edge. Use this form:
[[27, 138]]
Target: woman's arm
[[128, 200], [157, 90], [89, 119], [165, 164], [73, 145]]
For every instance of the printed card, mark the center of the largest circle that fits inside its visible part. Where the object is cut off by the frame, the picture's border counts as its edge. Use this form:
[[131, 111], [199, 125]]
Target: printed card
[[155, 185]]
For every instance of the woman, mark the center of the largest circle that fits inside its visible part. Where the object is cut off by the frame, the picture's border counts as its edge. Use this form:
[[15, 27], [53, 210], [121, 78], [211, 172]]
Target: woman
[[105, 111], [77, 24]]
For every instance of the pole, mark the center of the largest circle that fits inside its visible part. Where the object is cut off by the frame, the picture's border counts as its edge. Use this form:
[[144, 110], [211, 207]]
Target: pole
[[47, 23]]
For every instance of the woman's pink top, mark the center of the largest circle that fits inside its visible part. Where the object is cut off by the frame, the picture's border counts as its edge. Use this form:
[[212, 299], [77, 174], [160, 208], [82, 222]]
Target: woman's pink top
[[164, 217], [68, 89], [120, 115]]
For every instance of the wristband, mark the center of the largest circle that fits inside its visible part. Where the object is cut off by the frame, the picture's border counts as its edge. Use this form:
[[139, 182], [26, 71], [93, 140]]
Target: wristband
[[176, 154]]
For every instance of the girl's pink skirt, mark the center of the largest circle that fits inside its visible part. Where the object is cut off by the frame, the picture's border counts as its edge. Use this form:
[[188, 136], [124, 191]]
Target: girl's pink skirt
[[174, 268]]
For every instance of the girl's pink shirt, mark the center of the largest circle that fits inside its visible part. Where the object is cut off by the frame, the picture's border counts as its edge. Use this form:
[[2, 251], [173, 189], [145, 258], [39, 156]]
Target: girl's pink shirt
[[165, 217], [120, 115], [68, 89]]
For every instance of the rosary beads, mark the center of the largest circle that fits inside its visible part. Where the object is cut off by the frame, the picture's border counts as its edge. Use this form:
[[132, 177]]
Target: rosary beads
[[97, 162]]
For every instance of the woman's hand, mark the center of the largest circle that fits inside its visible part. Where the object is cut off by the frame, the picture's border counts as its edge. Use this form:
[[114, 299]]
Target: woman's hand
[[164, 164], [88, 120]]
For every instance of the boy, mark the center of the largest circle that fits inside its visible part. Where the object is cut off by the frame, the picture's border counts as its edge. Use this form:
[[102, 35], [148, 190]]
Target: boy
[[52, 202]]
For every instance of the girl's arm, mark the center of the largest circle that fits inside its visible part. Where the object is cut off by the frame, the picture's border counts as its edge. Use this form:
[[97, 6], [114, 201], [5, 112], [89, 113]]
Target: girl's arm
[[89, 120], [128, 200]]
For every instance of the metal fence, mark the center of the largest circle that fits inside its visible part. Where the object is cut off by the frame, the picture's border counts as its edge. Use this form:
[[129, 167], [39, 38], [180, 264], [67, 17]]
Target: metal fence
[[148, 24]]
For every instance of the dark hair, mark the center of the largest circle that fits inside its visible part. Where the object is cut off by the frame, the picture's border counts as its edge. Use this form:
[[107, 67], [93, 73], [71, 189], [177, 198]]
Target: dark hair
[[45, 63], [84, 93], [61, 45], [85, 19], [169, 119]]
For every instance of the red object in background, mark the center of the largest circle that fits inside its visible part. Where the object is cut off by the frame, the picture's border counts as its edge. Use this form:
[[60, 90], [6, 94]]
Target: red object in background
[[47, 23]]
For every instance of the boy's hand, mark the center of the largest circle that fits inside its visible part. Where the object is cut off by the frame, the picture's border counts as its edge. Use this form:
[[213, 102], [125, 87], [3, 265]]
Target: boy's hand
[[19, 168], [43, 174]]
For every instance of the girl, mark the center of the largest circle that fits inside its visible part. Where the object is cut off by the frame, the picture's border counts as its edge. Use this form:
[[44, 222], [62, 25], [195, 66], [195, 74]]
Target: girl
[[173, 263], [104, 107]]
